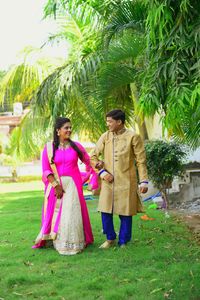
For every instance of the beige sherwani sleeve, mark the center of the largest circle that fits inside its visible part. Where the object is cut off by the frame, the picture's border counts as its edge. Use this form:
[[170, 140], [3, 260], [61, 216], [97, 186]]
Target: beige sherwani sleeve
[[140, 157]]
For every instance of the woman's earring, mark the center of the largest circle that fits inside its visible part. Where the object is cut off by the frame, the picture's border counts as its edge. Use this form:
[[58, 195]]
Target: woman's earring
[[58, 133]]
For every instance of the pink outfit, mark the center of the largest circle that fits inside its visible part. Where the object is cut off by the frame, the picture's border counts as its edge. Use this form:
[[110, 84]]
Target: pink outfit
[[94, 180], [92, 177], [66, 161]]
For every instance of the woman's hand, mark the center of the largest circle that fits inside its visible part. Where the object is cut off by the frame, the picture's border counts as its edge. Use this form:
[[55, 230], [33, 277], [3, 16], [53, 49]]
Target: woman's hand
[[99, 165], [59, 191]]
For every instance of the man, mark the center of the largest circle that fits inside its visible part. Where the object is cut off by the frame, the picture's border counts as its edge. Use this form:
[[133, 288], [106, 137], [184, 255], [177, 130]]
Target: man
[[121, 149]]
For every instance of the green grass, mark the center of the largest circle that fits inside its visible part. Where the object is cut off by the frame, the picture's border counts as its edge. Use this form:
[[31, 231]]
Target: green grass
[[161, 262]]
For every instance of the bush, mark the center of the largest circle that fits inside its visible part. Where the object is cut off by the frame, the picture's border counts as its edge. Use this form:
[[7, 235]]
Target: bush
[[164, 162]]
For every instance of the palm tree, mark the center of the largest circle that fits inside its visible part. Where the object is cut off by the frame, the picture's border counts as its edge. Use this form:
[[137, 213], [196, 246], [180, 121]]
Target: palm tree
[[135, 55], [22, 80], [26, 141], [95, 79], [166, 73], [78, 88], [61, 93], [19, 84]]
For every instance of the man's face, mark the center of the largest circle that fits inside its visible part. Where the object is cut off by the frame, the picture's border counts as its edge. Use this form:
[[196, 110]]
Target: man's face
[[113, 125]]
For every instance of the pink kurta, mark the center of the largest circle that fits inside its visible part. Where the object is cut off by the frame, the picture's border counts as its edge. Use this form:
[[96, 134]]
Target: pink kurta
[[66, 161]]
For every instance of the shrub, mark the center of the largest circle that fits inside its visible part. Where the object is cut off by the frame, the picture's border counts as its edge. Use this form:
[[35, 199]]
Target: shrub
[[164, 162]]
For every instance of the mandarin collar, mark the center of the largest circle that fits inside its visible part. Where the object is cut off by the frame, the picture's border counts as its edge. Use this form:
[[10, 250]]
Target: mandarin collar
[[121, 131]]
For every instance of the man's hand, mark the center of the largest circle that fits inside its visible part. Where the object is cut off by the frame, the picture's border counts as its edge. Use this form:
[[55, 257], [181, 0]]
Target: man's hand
[[59, 191], [109, 178], [99, 165], [143, 189]]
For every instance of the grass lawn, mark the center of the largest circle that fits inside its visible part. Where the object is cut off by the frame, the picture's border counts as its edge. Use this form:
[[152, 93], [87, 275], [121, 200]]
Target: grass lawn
[[161, 262]]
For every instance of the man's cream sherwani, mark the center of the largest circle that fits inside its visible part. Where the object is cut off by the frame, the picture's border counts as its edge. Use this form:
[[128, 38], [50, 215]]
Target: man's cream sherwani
[[123, 154]]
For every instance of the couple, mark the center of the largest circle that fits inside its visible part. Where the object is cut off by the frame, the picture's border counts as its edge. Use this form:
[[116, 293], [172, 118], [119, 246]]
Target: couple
[[65, 218]]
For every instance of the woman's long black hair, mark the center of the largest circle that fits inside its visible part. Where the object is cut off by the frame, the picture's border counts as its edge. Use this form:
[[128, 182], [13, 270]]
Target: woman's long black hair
[[60, 121]]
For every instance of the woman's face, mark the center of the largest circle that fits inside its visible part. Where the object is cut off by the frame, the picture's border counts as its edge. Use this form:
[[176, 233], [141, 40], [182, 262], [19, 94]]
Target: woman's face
[[65, 131]]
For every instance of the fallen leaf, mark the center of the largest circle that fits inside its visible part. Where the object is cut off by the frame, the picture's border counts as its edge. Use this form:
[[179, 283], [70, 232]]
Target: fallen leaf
[[125, 280], [150, 241], [139, 279], [156, 291], [154, 279], [29, 293], [191, 274], [17, 294], [28, 263], [167, 294]]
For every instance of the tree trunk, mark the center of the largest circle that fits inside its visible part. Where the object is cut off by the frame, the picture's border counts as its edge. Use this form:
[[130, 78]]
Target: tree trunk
[[14, 174], [141, 124], [165, 198]]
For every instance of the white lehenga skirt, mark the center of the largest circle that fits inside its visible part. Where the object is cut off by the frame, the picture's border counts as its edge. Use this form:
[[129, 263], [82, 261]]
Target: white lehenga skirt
[[70, 237]]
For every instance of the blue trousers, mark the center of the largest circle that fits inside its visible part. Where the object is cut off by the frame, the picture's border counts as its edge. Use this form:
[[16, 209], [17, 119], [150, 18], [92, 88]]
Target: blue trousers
[[125, 232]]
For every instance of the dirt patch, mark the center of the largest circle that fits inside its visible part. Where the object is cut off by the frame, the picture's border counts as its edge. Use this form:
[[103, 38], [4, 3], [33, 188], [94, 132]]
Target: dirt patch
[[192, 220]]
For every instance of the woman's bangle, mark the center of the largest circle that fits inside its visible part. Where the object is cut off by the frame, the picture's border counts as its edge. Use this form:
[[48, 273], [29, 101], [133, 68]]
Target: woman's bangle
[[54, 183]]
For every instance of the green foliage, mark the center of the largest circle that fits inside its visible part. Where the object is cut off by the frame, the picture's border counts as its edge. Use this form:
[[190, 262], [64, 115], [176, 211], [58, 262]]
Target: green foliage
[[93, 80], [20, 84], [103, 8], [27, 140], [152, 45], [170, 81], [22, 80], [2, 74], [127, 16], [164, 162]]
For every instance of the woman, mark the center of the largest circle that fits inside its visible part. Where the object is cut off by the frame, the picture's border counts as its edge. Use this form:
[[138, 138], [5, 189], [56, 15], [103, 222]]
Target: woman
[[65, 217]]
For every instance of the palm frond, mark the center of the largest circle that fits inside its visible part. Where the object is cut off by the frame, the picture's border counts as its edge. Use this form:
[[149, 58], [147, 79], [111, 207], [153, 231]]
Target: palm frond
[[129, 15], [22, 80], [27, 140], [119, 67]]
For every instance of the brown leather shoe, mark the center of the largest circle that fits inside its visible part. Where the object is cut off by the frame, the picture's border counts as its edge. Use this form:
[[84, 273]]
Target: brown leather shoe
[[107, 244]]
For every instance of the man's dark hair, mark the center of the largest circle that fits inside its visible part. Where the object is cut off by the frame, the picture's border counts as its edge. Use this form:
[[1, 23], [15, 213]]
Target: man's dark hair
[[116, 114]]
